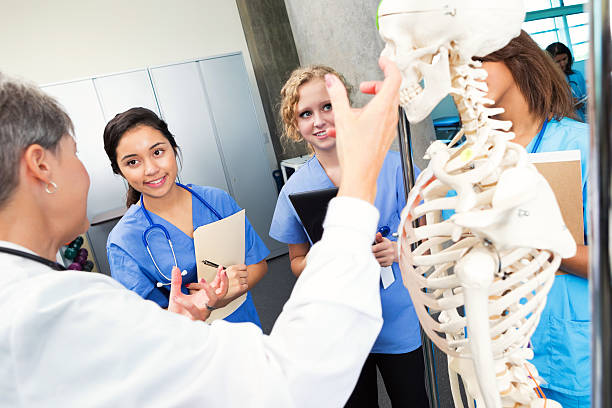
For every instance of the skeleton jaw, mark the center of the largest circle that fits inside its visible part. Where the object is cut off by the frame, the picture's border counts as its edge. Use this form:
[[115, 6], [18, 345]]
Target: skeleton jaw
[[417, 101]]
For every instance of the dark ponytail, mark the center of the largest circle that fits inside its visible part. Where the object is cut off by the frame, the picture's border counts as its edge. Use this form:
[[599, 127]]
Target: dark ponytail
[[119, 125], [132, 196]]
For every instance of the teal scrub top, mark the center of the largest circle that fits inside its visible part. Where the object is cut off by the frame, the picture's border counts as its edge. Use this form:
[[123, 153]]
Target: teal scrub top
[[131, 264], [401, 331], [577, 83], [562, 340]]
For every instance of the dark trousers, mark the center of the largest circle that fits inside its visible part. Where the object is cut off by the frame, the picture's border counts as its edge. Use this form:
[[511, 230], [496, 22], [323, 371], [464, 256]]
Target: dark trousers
[[404, 378]]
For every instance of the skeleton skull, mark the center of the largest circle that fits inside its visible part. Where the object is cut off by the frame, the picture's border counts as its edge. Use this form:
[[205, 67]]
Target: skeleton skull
[[418, 35]]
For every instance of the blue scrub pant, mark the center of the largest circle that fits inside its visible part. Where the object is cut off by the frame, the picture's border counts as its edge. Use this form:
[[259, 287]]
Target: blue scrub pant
[[568, 401]]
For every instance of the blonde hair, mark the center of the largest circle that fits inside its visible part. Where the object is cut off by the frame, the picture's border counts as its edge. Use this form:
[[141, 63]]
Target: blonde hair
[[290, 97]]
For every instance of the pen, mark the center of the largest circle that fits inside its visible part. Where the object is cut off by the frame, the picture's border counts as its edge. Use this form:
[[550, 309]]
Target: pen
[[209, 263]]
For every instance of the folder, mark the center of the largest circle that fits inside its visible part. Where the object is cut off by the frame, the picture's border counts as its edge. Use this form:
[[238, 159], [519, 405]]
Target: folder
[[563, 172], [222, 243]]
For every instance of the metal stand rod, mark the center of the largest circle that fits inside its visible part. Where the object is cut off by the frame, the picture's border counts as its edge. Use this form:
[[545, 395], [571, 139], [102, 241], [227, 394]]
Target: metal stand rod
[[405, 148], [600, 251]]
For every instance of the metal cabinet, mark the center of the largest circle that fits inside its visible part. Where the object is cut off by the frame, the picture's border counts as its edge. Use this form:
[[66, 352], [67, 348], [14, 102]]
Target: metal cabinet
[[208, 106]]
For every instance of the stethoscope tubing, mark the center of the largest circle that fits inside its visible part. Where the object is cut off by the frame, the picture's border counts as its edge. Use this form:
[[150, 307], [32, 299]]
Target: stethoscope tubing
[[33, 257], [152, 226]]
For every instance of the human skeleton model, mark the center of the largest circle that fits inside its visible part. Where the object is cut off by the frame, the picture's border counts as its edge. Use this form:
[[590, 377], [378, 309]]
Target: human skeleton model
[[478, 280]]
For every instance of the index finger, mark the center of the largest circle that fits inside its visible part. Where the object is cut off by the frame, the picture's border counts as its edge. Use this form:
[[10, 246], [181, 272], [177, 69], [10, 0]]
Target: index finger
[[389, 89], [175, 282], [337, 96]]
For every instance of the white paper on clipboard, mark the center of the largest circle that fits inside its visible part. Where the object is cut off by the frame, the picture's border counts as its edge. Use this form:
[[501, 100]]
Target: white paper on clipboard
[[222, 243]]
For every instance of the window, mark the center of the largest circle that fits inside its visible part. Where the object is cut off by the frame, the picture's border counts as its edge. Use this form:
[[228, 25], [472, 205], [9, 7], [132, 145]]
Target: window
[[564, 21]]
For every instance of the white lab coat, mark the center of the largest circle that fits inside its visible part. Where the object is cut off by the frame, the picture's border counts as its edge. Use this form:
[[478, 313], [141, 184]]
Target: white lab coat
[[75, 339]]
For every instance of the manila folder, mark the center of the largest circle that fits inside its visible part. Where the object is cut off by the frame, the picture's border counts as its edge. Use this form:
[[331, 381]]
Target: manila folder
[[563, 172], [222, 243]]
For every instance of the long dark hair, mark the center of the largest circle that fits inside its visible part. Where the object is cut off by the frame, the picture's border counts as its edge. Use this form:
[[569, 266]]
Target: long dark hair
[[119, 125], [557, 48], [538, 77]]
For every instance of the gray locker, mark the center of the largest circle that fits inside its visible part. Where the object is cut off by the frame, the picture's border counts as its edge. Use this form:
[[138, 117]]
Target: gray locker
[[208, 106], [242, 142], [184, 107]]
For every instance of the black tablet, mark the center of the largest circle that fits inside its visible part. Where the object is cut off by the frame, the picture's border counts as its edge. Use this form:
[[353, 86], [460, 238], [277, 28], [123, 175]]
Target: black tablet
[[311, 207]]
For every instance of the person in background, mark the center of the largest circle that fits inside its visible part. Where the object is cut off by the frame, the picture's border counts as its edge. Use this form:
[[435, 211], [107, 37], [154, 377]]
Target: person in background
[[307, 114], [524, 81], [75, 339], [563, 57], [143, 151]]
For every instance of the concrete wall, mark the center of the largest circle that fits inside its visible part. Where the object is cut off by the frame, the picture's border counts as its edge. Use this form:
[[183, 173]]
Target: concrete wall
[[343, 34], [270, 39]]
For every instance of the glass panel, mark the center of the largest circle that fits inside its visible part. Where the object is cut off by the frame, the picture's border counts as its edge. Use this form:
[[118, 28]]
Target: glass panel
[[543, 31], [581, 51], [533, 5], [579, 34], [538, 26], [577, 19], [544, 39]]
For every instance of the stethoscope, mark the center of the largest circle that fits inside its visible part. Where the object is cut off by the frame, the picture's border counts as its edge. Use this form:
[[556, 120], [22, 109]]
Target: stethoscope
[[33, 257], [536, 145], [163, 229]]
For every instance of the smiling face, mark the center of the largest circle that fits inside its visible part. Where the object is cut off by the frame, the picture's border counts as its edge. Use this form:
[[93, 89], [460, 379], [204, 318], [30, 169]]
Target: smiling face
[[315, 116], [147, 161]]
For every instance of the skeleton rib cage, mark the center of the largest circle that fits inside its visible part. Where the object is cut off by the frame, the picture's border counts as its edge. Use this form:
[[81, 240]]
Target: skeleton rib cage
[[429, 254]]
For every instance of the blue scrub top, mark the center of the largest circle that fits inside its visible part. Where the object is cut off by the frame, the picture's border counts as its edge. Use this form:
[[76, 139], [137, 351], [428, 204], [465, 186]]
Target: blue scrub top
[[400, 332], [579, 91], [562, 340], [131, 265]]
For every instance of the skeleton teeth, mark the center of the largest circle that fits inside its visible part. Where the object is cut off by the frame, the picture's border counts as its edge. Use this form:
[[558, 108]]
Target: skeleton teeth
[[408, 93]]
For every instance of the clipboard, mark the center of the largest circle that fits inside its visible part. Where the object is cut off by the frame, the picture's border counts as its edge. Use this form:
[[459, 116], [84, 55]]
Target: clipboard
[[220, 242], [562, 171]]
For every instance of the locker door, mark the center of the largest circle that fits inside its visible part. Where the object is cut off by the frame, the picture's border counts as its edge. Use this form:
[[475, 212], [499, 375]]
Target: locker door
[[241, 140], [183, 104], [121, 92], [107, 190]]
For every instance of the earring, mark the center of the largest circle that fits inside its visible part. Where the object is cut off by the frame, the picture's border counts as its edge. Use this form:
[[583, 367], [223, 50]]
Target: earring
[[52, 185]]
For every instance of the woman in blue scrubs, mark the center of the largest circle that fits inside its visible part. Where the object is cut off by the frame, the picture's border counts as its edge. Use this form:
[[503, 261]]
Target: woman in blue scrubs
[[143, 151], [563, 57], [308, 116], [525, 82]]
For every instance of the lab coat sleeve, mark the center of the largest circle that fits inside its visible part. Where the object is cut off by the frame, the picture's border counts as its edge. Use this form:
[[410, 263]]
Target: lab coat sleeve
[[81, 339], [333, 316]]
